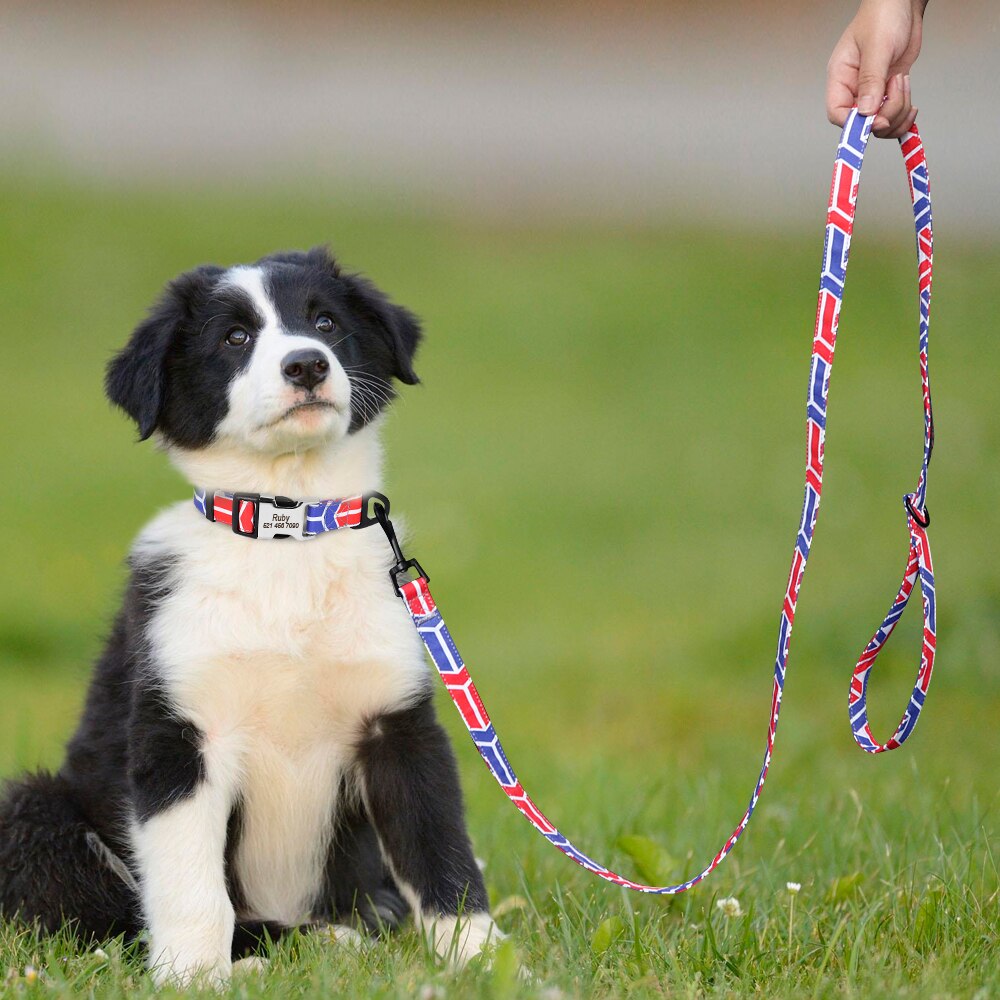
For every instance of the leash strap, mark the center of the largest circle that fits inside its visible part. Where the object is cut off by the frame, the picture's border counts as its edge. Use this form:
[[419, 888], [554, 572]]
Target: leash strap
[[840, 221]]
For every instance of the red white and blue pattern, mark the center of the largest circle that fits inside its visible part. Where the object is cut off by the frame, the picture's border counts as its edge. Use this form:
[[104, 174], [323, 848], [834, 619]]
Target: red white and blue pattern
[[221, 505], [840, 222], [919, 565], [331, 515], [320, 515]]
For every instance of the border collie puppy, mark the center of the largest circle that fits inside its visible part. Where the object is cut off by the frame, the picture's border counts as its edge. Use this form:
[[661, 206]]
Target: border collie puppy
[[259, 748]]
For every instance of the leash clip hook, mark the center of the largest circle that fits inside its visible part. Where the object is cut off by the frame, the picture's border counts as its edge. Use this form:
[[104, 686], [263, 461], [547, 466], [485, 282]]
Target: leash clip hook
[[375, 510]]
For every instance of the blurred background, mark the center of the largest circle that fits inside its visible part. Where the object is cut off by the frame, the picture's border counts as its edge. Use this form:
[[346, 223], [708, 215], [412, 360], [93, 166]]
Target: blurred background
[[609, 217], [585, 110]]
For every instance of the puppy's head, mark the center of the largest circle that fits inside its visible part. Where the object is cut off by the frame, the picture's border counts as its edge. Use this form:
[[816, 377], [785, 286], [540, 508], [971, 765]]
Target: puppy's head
[[277, 356]]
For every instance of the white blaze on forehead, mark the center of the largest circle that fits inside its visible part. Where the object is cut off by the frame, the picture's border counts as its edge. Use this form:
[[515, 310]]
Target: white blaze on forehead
[[260, 396], [251, 281]]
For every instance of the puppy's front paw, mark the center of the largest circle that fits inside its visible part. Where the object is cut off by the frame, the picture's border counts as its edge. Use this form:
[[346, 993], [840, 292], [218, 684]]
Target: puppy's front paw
[[340, 935], [207, 974], [252, 965], [457, 940], [183, 960]]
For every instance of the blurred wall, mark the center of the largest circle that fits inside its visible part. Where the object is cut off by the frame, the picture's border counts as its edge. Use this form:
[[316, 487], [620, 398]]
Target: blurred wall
[[613, 110]]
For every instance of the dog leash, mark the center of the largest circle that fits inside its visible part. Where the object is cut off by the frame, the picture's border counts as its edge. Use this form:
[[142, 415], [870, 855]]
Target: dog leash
[[840, 223], [256, 516]]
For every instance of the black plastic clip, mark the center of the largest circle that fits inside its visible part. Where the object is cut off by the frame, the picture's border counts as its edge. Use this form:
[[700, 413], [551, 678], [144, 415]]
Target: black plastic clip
[[923, 519], [239, 498], [371, 504], [375, 510]]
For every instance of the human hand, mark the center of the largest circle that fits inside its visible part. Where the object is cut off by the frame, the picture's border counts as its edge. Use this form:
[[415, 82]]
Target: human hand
[[872, 60]]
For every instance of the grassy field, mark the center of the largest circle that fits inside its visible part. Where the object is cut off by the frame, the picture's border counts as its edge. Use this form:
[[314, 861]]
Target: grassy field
[[602, 472]]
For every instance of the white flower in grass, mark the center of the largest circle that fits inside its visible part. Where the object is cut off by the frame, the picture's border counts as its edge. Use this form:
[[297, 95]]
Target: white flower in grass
[[794, 887], [730, 906]]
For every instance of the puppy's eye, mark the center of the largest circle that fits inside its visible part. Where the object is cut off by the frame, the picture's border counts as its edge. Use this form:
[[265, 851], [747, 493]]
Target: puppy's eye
[[237, 337], [325, 323]]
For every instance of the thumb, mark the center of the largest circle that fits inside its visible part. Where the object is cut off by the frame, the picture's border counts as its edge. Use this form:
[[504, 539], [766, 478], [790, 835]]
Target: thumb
[[872, 80]]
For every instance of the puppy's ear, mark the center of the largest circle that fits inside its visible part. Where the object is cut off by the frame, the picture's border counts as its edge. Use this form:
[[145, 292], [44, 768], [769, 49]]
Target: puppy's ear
[[135, 377], [399, 327]]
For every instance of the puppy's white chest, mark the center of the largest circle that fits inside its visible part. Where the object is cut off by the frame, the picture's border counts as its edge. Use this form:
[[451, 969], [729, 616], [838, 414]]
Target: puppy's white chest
[[282, 636], [279, 652]]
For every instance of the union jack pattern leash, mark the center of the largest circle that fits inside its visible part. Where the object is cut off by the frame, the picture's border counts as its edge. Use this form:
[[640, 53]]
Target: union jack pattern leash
[[840, 223], [251, 520]]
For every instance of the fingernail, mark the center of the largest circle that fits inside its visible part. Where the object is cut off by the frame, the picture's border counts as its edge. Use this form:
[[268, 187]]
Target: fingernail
[[906, 84], [867, 105]]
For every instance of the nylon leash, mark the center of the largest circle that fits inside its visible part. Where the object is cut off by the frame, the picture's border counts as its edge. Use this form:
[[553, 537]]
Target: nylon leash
[[256, 516], [840, 224]]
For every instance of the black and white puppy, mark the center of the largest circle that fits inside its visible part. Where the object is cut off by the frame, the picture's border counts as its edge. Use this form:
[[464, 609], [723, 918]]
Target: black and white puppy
[[258, 748]]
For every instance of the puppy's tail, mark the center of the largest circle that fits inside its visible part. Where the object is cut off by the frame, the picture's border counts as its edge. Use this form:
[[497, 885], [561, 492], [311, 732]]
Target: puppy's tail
[[55, 869]]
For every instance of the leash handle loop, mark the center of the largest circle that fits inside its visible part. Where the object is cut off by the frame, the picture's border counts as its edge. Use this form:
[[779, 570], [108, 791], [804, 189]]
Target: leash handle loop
[[919, 565]]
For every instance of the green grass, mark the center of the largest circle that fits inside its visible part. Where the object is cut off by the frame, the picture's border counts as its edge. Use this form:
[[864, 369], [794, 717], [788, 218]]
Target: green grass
[[602, 471]]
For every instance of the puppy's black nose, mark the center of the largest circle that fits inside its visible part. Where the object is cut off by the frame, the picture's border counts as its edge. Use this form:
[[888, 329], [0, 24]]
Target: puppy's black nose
[[306, 368]]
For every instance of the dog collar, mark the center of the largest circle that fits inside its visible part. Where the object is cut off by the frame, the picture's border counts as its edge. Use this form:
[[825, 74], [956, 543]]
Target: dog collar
[[254, 515]]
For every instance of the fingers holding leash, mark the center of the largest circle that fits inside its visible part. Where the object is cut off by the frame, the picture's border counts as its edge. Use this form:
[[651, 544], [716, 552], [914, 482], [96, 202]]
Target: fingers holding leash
[[897, 113]]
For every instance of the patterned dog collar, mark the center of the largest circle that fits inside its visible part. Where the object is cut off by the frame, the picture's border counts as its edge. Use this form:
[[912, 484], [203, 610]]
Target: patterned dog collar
[[255, 515]]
